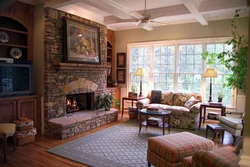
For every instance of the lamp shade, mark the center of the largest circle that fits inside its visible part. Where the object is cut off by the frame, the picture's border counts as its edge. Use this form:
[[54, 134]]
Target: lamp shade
[[210, 72], [138, 72]]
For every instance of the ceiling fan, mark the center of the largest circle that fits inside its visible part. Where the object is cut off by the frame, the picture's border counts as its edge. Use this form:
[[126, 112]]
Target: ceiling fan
[[144, 20]]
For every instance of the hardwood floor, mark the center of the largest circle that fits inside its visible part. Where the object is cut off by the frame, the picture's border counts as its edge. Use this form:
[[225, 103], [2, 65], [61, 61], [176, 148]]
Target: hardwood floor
[[35, 155]]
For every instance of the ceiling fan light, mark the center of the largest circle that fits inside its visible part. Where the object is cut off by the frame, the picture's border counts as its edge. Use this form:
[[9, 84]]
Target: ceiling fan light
[[148, 27], [141, 24]]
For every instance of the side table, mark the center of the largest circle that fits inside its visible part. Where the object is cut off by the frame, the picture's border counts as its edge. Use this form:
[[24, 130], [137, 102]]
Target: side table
[[131, 99], [209, 105]]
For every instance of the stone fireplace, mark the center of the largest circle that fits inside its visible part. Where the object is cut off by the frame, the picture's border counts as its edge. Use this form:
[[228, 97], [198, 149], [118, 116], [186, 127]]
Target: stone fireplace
[[79, 102], [62, 79]]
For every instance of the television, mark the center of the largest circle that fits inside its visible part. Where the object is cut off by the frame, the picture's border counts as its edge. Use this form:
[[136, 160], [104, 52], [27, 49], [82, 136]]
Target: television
[[15, 79]]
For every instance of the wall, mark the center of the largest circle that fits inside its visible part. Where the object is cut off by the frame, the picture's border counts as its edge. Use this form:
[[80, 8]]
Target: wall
[[58, 75]]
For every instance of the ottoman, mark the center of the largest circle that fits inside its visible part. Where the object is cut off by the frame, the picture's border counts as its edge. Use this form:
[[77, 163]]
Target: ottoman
[[169, 151]]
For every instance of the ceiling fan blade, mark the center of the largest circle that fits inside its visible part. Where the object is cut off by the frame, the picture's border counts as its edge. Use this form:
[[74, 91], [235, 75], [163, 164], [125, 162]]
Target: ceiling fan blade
[[136, 15], [148, 27], [152, 21]]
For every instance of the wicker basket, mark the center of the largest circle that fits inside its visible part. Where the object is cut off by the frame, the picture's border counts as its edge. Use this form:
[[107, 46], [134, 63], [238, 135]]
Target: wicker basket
[[25, 140]]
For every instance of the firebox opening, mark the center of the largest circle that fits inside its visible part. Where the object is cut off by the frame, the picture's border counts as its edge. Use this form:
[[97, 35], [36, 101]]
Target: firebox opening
[[79, 102]]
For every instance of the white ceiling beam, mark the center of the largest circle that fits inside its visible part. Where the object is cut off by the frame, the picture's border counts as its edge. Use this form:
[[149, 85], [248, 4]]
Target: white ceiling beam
[[109, 6], [212, 5], [154, 13], [191, 5]]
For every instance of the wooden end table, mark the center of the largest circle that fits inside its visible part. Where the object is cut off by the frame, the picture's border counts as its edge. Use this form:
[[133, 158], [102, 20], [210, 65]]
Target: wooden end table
[[162, 113], [131, 99], [215, 129], [209, 105]]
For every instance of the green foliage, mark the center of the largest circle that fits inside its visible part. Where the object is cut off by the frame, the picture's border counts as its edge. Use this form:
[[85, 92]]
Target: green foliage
[[104, 101], [235, 60], [133, 88], [220, 94]]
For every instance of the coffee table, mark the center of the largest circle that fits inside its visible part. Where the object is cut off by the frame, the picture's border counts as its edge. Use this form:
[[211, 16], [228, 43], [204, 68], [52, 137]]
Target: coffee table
[[160, 112]]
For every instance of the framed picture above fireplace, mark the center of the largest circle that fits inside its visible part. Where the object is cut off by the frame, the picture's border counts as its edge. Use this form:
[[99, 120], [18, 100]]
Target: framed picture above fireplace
[[82, 43]]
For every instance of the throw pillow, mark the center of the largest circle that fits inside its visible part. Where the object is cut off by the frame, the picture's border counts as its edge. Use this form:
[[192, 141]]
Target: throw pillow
[[155, 96], [191, 102]]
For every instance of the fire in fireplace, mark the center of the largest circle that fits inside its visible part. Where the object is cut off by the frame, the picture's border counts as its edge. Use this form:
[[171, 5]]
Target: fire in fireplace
[[79, 102]]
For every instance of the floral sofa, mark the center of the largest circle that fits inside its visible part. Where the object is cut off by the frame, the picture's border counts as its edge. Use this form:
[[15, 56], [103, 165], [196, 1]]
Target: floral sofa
[[184, 114]]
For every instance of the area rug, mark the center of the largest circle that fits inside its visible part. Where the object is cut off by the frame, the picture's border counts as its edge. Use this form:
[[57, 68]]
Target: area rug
[[117, 146]]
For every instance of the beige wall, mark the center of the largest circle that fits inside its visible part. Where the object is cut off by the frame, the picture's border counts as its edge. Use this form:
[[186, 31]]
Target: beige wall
[[38, 62]]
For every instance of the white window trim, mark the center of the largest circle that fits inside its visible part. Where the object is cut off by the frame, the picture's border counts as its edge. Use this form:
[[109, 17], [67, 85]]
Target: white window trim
[[177, 43]]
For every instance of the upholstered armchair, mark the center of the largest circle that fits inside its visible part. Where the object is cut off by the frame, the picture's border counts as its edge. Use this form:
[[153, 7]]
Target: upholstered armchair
[[233, 123]]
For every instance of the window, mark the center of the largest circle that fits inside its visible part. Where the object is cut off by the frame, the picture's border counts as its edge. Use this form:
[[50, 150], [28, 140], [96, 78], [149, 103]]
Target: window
[[189, 68], [178, 66], [163, 68], [222, 73]]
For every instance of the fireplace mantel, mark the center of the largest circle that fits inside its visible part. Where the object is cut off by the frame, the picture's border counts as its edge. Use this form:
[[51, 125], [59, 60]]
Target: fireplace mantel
[[75, 66]]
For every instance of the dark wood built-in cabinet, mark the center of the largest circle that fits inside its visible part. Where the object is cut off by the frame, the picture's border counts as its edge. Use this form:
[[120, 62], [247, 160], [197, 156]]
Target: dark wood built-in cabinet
[[12, 108], [110, 56]]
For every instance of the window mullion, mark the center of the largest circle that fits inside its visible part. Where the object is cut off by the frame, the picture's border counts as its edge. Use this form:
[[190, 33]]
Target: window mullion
[[176, 60]]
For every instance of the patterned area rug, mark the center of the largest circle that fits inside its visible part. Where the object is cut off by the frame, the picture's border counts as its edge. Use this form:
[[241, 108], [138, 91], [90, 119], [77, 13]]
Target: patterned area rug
[[117, 146]]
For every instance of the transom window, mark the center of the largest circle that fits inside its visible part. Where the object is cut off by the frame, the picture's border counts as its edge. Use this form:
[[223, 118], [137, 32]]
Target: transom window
[[178, 66]]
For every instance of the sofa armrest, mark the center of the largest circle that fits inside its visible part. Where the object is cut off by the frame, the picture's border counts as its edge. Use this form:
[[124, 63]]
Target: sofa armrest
[[195, 108], [142, 103], [217, 158]]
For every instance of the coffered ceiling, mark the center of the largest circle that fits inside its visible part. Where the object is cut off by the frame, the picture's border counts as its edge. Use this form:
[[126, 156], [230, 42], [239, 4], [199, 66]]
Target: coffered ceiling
[[126, 14]]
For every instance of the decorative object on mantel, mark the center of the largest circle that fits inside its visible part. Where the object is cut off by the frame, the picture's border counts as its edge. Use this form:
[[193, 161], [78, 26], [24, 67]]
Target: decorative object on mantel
[[121, 60], [121, 76], [83, 43], [4, 37], [16, 53]]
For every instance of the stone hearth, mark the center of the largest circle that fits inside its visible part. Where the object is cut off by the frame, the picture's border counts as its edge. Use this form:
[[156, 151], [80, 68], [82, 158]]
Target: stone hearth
[[79, 122]]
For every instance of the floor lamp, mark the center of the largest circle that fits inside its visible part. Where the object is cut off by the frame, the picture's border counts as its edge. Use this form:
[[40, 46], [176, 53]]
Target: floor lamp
[[210, 73], [139, 72]]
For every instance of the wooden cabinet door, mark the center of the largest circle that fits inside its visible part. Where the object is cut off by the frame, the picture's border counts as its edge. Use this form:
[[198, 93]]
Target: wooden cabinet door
[[8, 111], [28, 108]]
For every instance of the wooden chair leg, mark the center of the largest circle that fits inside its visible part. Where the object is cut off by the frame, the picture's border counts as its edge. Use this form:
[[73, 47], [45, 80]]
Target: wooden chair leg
[[149, 164], [14, 142], [4, 149]]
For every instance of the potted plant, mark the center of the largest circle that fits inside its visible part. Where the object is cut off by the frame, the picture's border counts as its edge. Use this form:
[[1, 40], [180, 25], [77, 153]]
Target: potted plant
[[104, 101], [220, 96]]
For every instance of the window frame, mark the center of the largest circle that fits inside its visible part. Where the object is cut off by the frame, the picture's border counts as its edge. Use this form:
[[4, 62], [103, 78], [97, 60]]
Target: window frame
[[176, 44]]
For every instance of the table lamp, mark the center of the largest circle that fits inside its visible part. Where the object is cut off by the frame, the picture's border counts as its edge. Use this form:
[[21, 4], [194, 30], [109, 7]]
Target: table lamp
[[212, 73], [139, 72]]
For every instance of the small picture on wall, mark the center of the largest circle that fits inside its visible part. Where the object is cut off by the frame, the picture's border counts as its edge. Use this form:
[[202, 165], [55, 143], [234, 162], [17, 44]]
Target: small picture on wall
[[121, 76], [121, 60]]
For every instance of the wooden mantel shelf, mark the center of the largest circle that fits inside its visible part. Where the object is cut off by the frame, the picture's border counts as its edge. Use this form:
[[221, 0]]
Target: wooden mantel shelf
[[75, 66]]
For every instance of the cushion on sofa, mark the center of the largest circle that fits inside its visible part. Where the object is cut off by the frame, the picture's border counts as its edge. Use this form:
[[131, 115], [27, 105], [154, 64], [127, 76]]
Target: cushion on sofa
[[179, 99], [155, 96], [233, 122], [222, 157], [191, 101], [167, 98]]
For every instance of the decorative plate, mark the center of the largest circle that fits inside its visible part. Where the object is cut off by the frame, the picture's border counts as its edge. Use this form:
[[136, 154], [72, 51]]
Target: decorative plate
[[16, 53], [4, 37]]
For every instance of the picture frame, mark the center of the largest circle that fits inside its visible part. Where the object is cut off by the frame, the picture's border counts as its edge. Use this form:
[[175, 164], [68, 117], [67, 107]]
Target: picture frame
[[121, 60], [121, 76], [132, 94], [82, 43]]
